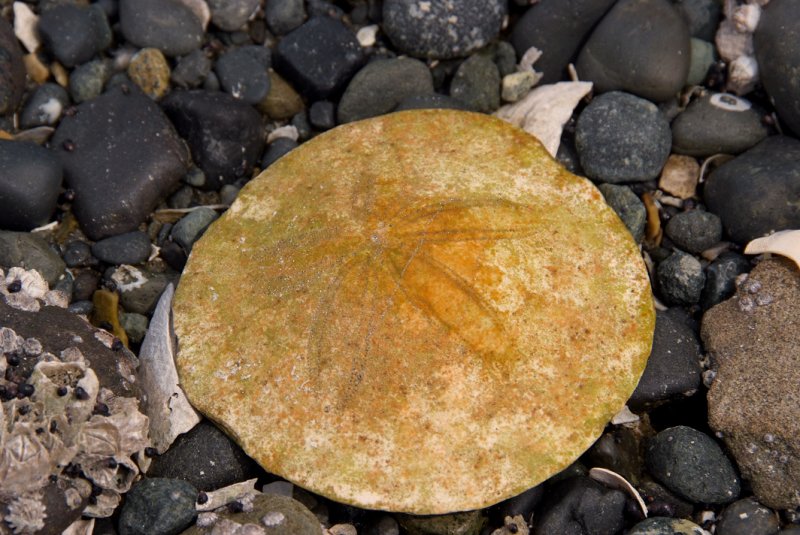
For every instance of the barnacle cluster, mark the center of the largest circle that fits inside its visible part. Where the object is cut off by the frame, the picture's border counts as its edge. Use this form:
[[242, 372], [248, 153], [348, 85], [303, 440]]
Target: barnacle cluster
[[734, 41], [63, 432]]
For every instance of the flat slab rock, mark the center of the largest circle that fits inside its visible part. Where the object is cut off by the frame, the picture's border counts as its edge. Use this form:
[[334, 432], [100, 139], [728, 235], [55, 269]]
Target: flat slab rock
[[754, 400]]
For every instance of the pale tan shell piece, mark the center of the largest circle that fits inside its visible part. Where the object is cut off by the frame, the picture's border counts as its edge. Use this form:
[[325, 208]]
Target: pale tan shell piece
[[785, 243], [421, 312]]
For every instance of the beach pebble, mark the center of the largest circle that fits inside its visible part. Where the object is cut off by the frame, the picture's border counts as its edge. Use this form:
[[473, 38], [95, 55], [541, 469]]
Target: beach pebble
[[270, 514], [673, 369], [223, 133], [750, 192], [282, 101], [702, 16], [629, 51], [139, 289], [747, 517], [74, 33], [777, 47], [703, 57], [431, 101], [679, 176], [659, 525], [87, 80], [12, 69], [158, 506], [277, 149], [128, 248], [30, 251], [442, 30], [285, 15], [78, 253], [694, 231], [135, 326], [230, 15], [191, 226], [44, 106], [381, 85], [169, 25], [715, 123], [205, 457], [680, 279], [557, 29], [322, 115], [242, 73], [319, 57], [121, 156], [721, 276], [149, 70], [469, 522], [627, 206], [85, 283], [622, 138], [30, 180], [477, 84], [191, 70], [581, 506]]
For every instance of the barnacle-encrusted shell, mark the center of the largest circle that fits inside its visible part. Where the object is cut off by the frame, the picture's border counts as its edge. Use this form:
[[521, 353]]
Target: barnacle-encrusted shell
[[421, 312]]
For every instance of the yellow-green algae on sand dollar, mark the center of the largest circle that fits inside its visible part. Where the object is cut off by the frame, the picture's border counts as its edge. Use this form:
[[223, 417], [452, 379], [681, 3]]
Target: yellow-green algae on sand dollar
[[421, 312]]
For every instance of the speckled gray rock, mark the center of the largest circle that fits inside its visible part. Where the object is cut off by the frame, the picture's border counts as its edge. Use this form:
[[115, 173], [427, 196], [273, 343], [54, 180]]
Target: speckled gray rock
[[721, 276], [557, 29], [442, 30], [283, 16], [191, 226], [139, 289], [703, 56], [680, 279], [777, 45], [640, 46], [754, 401], [627, 206], [477, 84], [158, 506], [702, 16], [381, 85], [673, 369], [12, 69], [467, 523], [242, 73], [44, 107], [168, 25], [581, 506], [692, 465], [747, 517], [87, 80], [191, 69], [231, 15], [30, 179], [717, 123], [622, 138], [74, 33], [694, 231], [660, 525], [29, 251], [750, 192], [135, 326], [128, 248]]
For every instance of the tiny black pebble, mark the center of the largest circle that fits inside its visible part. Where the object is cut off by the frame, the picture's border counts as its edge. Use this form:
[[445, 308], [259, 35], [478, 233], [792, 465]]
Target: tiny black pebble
[[81, 394], [96, 491], [62, 391], [68, 195], [53, 478], [151, 451], [39, 430], [117, 344], [106, 326], [72, 470], [512, 528], [14, 286], [112, 463], [68, 145], [236, 507], [202, 498], [23, 410], [101, 409], [26, 389], [93, 500], [13, 359], [53, 426]]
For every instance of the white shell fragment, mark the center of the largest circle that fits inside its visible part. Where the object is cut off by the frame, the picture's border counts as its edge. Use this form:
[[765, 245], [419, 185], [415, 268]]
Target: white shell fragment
[[228, 494], [625, 416], [164, 401], [785, 243], [615, 481], [366, 35], [544, 111], [25, 23]]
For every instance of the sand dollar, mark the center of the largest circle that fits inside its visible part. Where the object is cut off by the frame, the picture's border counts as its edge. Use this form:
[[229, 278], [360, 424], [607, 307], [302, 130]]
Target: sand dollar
[[421, 312]]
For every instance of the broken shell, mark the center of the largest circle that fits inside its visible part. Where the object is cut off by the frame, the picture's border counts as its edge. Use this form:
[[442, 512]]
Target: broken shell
[[785, 243], [615, 481]]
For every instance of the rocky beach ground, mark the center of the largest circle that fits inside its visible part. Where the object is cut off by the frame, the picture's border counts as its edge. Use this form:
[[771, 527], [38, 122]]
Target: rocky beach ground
[[127, 127]]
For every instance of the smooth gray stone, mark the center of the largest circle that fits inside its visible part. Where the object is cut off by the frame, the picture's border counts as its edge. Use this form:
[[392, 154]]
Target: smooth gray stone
[[628, 207], [44, 107], [74, 33], [680, 279], [694, 231], [747, 517], [477, 84], [128, 248], [283, 16], [702, 16], [191, 226], [30, 180], [29, 251], [168, 25], [12, 69], [231, 15], [243, 74], [158, 506]]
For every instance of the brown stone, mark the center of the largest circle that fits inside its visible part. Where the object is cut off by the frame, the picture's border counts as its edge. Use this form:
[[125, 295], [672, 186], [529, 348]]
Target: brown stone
[[282, 101], [754, 401], [149, 70], [421, 312], [679, 176]]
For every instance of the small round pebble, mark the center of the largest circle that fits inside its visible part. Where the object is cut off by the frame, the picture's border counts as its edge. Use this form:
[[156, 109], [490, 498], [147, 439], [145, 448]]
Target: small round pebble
[[431, 101], [284, 16], [277, 149], [748, 517], [78, 254], [322, 115], [680, 279], [30, 180], [230, 15], [12, 69], [86, 81], [477, 84], [191, 69], [622, 138], [128, 248], [660, 525], [702, 16], [694, 231], [149, 70], [135, 326], [703, 57], [628, 207], [692, 465], [242, 73], [44, 107], [158, 506], [721, 276], [169, 25], [191, 226], [74, 33]]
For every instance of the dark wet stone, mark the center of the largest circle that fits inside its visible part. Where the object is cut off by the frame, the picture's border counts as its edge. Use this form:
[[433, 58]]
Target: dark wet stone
[[30, 180], [174, 255], [702, 16], [750, 192], [581, 506], [230, 15], [748, 517], [381, 85], [206, 458], [622, 138], [557, 29], [442, 30], [522, 504], [85, 284], [694, 231], [158, 505], [319, 57], [224, 134], [431, 101], [78, 254], [74, 33], [504, 56], [627, 206], [142, 298], [276, 149], [640, 46], [44, 107], [128, 248], [168, 25], [284, 16], [660, 525], [121, 156], [303, 125], [29, 251], [86, 81], [242, 73], [777, 45], [322, 115], [191, 226], [673, 369], [692, 465], [135, 326], [704, 56], [191, 70], [477, 84], [721, 278], [680, 279], [717, 123], [12, 69]]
